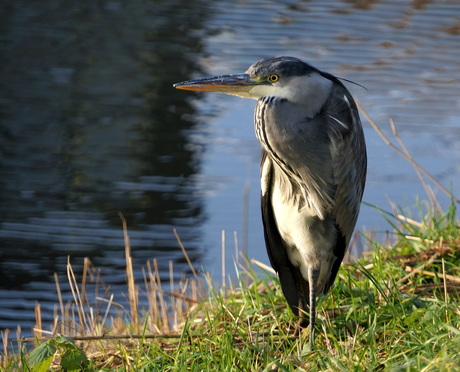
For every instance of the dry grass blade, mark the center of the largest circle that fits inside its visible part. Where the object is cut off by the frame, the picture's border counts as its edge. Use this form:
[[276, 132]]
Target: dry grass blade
[[195, 275], [5, 336], [444, 280], [181, 297], [114, 337], [267, 268], [223, 263], [445, 276], [38, 319], [76, 295], [418, 269], [173, 300], [59, 293], [163, 306], [409, 220], [405, 155], [132, 291]]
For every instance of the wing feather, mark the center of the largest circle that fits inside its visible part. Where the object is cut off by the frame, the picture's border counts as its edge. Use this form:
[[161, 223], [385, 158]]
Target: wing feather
[[349, 166], [348, 156]]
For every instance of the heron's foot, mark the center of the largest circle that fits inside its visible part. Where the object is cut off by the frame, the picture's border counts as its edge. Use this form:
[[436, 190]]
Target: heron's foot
[[300, 325]]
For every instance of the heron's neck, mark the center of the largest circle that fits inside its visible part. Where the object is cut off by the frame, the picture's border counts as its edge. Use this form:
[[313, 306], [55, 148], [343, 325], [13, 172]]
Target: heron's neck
[[309, 93]]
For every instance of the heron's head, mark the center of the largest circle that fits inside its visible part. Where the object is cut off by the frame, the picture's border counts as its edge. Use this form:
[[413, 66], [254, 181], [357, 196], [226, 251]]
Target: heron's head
[[283, 77]]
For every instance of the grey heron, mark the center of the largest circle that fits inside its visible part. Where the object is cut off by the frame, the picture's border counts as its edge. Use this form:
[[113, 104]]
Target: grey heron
[[313, 170]]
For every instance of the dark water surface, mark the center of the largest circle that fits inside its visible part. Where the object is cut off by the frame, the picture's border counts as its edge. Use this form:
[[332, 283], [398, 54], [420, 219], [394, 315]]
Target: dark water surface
[[90, 125]]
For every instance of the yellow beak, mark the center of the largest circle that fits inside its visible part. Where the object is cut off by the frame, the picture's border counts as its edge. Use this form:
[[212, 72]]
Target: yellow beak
[[237, 84]]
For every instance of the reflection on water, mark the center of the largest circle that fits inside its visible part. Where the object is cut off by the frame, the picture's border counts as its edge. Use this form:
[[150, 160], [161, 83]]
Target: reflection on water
[[91, 127], [90, 124]]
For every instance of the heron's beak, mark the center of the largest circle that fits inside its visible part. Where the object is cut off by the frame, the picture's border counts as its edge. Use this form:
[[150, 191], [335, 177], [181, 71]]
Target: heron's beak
[[238, 85]]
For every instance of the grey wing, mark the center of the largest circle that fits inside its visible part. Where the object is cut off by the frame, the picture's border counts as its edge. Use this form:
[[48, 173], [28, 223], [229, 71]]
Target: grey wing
[[349, 165], [294, 286], [349, 160]]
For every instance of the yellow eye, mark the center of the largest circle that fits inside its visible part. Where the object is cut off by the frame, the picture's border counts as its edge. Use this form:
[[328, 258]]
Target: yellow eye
[[273, 78]]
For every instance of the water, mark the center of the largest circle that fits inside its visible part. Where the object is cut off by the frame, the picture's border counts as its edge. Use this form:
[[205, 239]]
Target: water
[[91, 126]]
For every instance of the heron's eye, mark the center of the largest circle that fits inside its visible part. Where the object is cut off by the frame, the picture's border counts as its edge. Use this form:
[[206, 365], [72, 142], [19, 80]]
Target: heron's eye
[[273, 78]]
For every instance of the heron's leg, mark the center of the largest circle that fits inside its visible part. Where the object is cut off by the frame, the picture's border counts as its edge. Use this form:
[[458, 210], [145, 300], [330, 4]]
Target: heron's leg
[[302, 322], [313, 274]]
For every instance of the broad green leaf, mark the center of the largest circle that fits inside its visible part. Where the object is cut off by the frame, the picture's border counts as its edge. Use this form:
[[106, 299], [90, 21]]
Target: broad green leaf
[[43, 366], [74, 360], [41, 353]]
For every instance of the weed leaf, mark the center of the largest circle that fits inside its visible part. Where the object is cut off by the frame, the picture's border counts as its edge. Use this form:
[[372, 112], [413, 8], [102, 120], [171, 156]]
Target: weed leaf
[[41, 357], [74, 360]]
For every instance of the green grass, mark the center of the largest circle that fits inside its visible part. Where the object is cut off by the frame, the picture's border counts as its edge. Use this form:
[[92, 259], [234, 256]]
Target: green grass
[[395, 309]]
